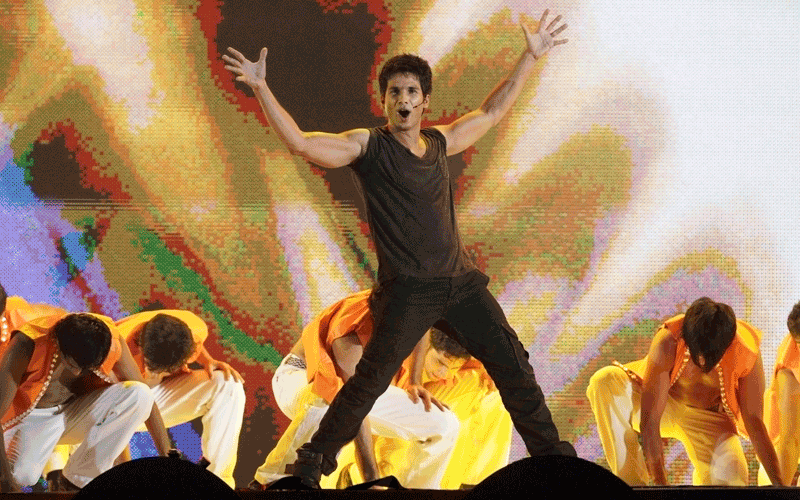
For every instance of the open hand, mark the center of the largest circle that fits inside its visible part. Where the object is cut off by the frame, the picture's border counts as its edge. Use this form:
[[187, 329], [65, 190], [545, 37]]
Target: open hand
[[417, 392], [227, 369], [544, 38], [249, 72]]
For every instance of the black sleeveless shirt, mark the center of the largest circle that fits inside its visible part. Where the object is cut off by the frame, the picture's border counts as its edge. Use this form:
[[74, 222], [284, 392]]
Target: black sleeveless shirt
[[410, 207]]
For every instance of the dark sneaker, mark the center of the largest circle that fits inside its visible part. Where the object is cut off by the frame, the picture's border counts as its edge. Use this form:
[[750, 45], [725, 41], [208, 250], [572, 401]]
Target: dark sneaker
[[308, 468]]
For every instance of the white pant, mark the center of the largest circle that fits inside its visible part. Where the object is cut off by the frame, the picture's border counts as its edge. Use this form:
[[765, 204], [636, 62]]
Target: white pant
[[102, 421], [709, 437], [287, 382], [433, 433], [220, 403]]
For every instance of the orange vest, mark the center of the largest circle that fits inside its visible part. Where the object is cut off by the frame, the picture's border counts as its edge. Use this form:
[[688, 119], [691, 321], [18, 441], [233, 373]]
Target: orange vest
[[36, 377], [131, 329], [738, 360], [18, 312], [349, 315], [788, 358]]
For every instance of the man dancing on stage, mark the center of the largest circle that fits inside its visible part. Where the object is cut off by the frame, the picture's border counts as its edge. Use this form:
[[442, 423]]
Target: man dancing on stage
[[424, 273], [702, 383]]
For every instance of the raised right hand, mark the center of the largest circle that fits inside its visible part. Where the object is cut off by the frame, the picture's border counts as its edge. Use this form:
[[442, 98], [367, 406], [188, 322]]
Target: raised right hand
[[249, 72]]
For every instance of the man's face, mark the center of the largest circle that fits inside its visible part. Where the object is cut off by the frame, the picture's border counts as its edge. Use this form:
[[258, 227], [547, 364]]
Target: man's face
[[403, 102], [438, 366]]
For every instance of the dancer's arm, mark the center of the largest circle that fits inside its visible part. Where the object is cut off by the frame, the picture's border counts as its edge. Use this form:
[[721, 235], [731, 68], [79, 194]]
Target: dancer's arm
[[12, 366], [126, 369], [416, 391], [347, 352], [323, 149], [655, 392], [751, 402], [463, 132], [787, 442]]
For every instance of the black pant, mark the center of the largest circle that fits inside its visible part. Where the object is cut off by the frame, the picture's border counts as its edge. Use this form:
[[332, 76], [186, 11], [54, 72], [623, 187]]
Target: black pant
[[405, 308]]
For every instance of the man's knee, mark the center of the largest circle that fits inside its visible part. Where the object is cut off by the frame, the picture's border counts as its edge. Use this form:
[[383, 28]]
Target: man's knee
[[444, 425], [607, 381], [229, 387], [24, 476], [728, 465], [136, 395]]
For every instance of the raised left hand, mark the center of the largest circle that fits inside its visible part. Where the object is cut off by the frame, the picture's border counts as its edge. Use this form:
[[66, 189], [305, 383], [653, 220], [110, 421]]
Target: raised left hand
[[544, 38]]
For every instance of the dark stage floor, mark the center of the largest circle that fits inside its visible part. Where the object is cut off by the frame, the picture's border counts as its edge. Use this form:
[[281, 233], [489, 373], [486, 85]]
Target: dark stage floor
[[651, 493]]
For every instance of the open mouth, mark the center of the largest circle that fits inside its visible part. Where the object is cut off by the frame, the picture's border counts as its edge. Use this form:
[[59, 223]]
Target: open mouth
[[404, 113]]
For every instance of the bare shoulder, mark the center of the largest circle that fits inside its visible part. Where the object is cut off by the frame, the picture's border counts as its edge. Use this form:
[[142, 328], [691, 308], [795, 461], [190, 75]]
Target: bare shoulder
[[662, 350], [18, 353]]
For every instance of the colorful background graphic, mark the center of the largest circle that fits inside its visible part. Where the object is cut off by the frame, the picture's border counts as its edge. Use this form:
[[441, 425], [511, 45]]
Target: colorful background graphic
[[651, 160]]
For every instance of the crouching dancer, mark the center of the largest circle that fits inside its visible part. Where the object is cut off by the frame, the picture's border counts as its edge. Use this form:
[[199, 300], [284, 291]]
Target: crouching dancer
[[163, 344], [702, 383], [70, 379], [326, 357]]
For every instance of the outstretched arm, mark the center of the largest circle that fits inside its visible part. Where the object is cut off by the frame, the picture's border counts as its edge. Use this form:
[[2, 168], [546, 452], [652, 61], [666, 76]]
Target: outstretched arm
[[751, 401], [463, 132], [324, 149]]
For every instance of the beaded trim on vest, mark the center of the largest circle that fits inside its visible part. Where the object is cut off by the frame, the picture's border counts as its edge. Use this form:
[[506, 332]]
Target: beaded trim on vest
[[45, 385], [723, 395], [105, 378], [630, 373], [683, 365], [4, 332]]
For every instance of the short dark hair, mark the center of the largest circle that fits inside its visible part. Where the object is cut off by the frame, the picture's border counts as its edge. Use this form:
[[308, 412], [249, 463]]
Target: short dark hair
[[3, 298], [166, 343], [793, 322], [447, 346], [708, 330], [406, 63], [84, 338]]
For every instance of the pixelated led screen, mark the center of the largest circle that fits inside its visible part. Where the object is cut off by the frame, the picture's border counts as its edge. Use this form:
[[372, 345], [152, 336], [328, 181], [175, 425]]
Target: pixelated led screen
[[651, 160]]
